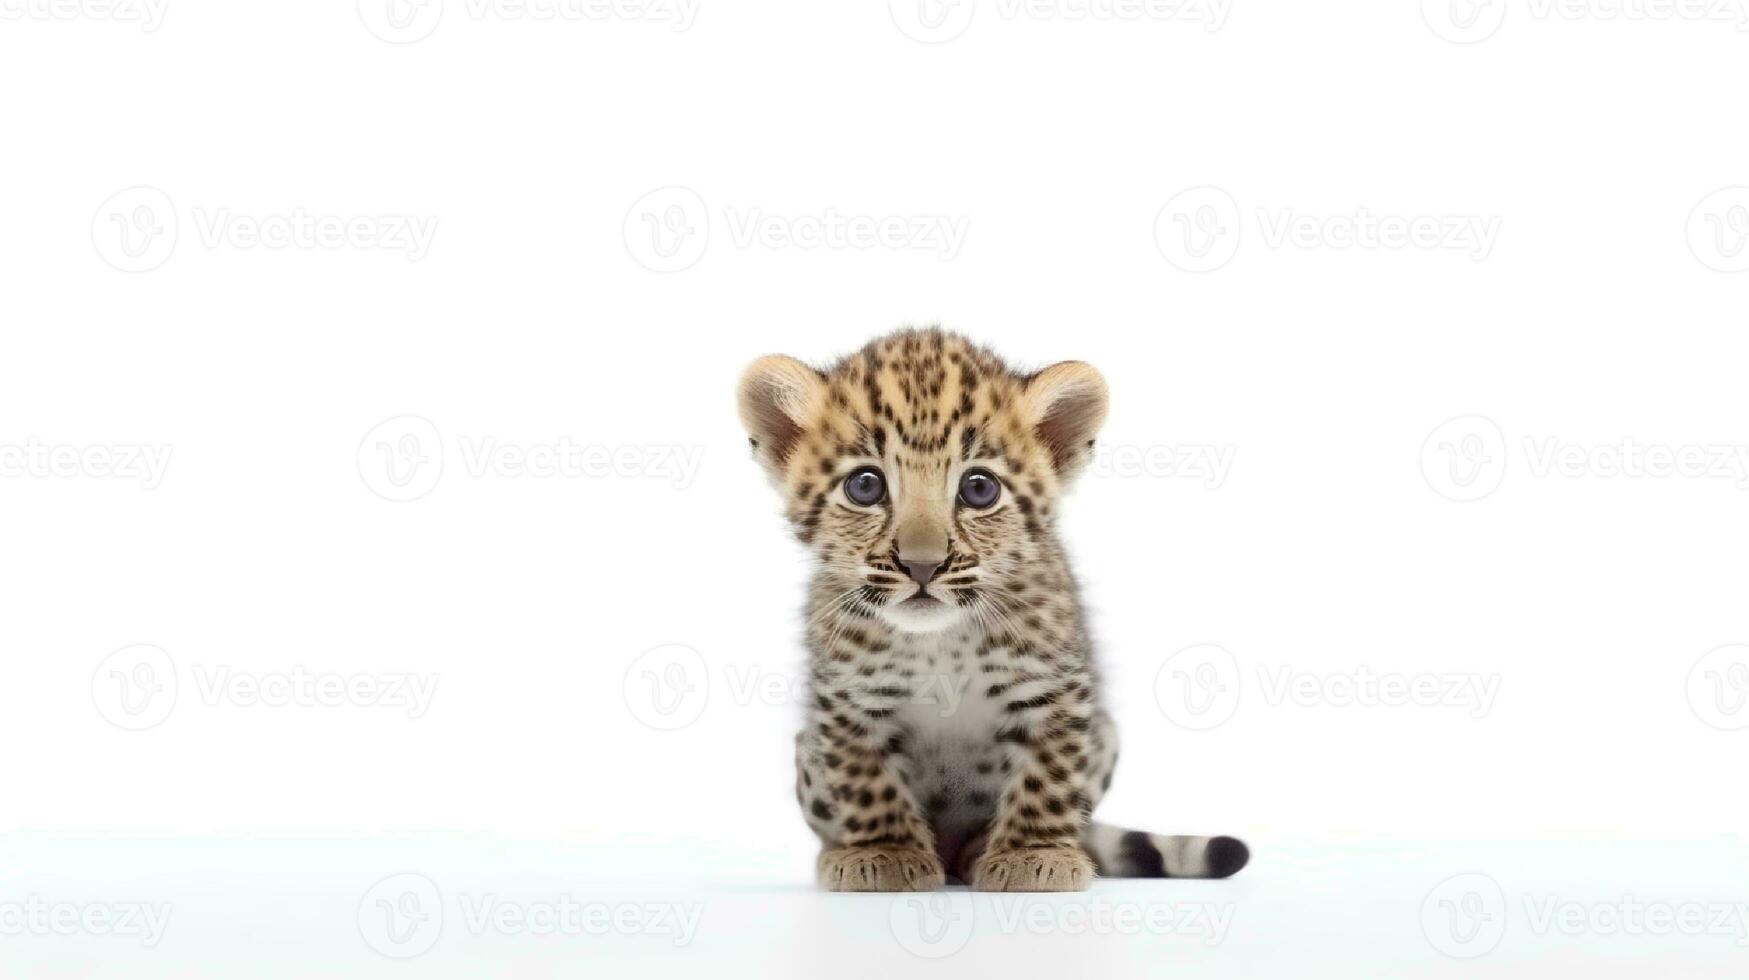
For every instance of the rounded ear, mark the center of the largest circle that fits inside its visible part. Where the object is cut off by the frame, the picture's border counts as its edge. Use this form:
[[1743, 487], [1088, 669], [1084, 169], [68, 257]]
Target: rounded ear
[[1066, 405], [779, 398]]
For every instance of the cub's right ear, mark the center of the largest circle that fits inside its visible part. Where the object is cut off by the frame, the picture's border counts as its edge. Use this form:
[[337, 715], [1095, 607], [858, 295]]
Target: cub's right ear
[[780, 398]]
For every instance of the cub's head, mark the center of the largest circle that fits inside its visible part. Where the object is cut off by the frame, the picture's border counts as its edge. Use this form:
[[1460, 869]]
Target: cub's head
[[923, 472]]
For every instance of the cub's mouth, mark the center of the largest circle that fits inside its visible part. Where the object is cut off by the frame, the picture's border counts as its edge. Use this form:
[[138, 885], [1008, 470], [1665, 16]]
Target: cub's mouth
[[920, 612]]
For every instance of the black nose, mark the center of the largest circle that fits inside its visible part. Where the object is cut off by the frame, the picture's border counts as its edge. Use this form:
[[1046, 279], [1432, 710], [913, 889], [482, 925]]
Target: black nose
[[922, 571]]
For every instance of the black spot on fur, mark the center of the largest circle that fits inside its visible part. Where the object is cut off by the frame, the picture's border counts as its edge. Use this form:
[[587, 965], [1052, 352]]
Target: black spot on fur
[[1142, 858], [1226, 855]]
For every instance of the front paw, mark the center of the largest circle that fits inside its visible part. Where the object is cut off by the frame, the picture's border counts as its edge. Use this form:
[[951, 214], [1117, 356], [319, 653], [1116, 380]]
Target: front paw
[[1045, 869], [879, 869]]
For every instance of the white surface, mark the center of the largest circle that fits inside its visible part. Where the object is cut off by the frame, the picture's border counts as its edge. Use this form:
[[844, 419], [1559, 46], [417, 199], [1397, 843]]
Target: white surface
[[1334, 458], [309, 907]]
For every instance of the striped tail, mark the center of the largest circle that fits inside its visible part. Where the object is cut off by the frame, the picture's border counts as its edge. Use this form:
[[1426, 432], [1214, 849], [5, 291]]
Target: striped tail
[[1121, 853]]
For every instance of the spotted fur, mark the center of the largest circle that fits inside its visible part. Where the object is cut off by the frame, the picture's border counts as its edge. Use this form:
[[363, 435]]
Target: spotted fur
[[954, 721]]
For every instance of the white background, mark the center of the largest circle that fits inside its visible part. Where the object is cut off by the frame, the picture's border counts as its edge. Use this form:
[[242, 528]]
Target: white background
[[589, 279]]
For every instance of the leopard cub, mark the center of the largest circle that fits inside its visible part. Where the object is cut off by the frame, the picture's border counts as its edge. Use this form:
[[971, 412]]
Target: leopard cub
[[954, 720]]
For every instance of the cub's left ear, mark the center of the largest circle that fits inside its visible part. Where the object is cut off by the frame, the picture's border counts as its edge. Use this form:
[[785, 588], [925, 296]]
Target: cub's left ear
[[1066, 404], [779, 399]]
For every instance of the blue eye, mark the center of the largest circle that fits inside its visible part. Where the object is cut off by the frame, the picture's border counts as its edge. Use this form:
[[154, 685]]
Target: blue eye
[[865, 486], [979, 488]]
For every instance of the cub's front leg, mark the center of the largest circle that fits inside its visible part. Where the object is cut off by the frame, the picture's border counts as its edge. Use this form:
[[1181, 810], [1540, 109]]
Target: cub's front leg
[[1034, 842], [874, 835]]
